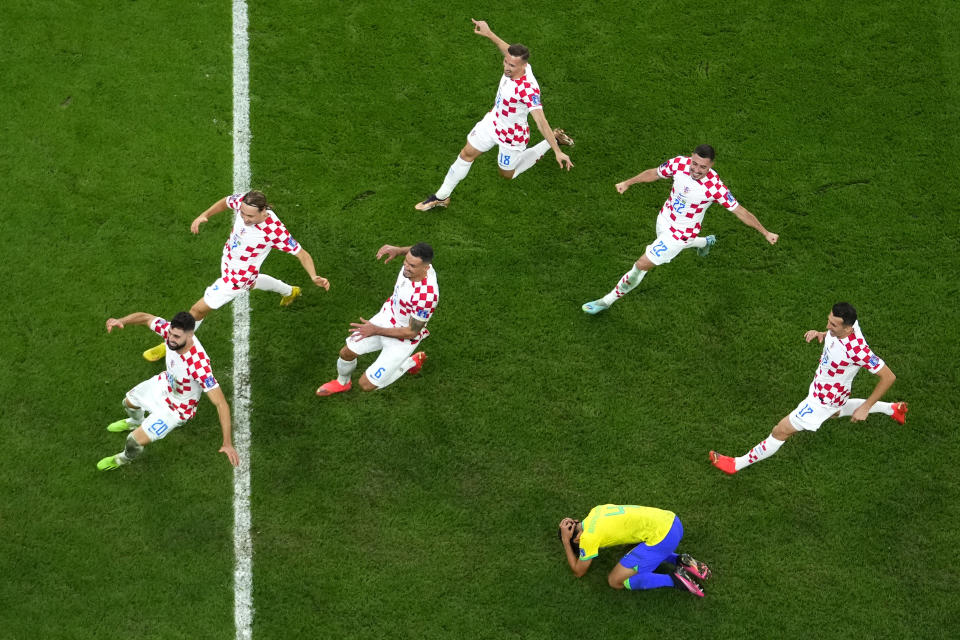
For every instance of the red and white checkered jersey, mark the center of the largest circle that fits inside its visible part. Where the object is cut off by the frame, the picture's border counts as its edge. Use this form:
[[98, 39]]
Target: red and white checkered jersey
[[412, 300], [515, 98], [248, 246], [684, 210], [842, 358], [187, 374]]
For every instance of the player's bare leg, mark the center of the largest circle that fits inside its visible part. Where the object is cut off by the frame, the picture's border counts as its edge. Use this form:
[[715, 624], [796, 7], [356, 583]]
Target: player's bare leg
[[346, 364], [457, 172], [887, 408], [764, 449], [627, 283], [619, 575]]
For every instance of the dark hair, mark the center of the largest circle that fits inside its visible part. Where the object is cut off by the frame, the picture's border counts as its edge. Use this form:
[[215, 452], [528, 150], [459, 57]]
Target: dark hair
[[183, 320], [423, 251], [573, 545], [705, 151], [519, 50], [846, 312], [256, 199]]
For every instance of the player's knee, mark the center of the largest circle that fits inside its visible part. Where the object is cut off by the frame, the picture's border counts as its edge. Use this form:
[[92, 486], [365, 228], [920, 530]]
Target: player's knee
[[506, 174], [348, 355], [366, 385], [614, 582]]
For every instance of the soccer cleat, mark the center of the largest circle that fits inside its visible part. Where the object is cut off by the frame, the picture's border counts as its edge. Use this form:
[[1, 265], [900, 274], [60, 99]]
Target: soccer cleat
[[431, 202], [562, 137], [108, 464], [419, 358], [156, 352], [595, 307], [332, 387], [702, 251], [286, 301], [694, 566], [684, 581], [120, 426], [900, 412], [724, 463]]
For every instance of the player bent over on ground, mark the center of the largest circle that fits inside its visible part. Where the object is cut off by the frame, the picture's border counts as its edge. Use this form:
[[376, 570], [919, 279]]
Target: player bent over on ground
[[170, 397], [256, 230], [695, 186], [656, 534], [505, 126], [845, 352], [397, 328]]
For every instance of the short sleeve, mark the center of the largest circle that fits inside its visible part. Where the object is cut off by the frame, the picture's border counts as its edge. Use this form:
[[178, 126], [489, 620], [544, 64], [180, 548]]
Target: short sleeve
[[588, 547], [200, 369], [424, 301], [669, 168], [278, 237], [722, 195], [234, 201], [161, 327], [531, 97]]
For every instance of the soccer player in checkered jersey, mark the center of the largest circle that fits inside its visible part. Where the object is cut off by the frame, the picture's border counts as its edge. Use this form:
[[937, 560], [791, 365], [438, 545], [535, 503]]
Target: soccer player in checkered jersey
[[505, 126], [397, 329], [256, 230], [695, 186], [170, 398], [845, 352]]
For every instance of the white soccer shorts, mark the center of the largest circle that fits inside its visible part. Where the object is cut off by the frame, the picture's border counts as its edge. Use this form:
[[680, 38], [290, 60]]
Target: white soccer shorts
[[665, 248], [811, 413], [150, 395], [220, 293], [483, 137], [392, 354]]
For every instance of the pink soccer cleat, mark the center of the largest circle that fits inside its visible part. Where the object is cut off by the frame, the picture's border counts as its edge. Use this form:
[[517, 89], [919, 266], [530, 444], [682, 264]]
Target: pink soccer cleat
[[419, 357], [900, 412], [684, 581], [724, 463], [698, 569], [332, 387]]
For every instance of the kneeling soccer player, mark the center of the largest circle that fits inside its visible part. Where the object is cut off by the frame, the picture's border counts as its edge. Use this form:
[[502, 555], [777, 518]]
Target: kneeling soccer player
[[397, 329], [169, 397], [656, 534]]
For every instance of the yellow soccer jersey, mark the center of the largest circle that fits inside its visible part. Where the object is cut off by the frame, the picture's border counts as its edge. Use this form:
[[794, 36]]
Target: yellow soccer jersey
[[609, 525]]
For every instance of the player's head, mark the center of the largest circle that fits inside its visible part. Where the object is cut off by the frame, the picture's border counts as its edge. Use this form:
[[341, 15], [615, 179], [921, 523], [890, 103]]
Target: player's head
[[181, 329], [841, 319], [515, 61], [575, 538], [417, 261], [701, 161], [254, 207]]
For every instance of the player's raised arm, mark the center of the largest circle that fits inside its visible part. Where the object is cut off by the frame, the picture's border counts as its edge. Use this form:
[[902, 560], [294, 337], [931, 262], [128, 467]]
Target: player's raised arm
[[887, 378], [480, 27], [217, 207], [137, 317], [650, 175], [223, 413], [307, 261], [750, 220], [392, 252]]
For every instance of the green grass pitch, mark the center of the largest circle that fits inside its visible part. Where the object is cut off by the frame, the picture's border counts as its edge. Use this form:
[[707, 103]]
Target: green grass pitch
[[430, 510]]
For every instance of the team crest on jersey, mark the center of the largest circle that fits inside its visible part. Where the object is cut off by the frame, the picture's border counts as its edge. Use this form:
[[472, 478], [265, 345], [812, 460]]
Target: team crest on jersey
[[209, 382]]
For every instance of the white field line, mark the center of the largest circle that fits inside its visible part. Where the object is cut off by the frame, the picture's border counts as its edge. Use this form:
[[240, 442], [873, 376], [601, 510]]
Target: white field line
[[242, 544]]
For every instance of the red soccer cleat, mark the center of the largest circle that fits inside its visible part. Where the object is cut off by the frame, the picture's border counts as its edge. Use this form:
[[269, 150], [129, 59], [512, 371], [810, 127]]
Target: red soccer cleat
[[900, 412], [724, 463], [419, 357], [332, 387]]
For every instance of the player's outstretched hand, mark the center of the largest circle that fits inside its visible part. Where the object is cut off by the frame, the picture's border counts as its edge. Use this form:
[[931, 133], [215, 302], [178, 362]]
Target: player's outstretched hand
[[813, 333], [231, 454], [564, 158], [113, 323], [390, 251], [195, 225], [860, 414], [622, 186], [320, 281], [481, 27], [771, 237], [362, 329]]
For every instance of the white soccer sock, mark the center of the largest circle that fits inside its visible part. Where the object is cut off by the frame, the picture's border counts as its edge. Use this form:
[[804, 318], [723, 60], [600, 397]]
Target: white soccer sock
[[136, 415], [345, 369], [269, 283], [697, 243], [402, 369], [530, 157], [854, 403], [629, 280], [457, 172], [196, 325], [762, 451]]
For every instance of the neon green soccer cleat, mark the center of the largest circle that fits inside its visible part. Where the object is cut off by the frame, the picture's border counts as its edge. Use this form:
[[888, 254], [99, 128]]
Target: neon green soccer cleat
[[108, 464], [120, 426], [155, 353], [286, 301]]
